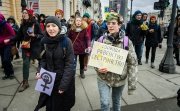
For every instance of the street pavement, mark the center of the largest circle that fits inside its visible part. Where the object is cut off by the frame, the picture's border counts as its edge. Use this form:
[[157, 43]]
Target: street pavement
[[153, 88]]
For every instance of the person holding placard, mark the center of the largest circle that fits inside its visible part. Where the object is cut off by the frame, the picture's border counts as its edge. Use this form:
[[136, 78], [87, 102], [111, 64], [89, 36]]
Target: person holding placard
[[60, 60], [107, 80]]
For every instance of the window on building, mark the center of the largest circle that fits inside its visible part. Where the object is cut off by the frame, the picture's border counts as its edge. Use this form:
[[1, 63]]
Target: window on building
[[33, 4]]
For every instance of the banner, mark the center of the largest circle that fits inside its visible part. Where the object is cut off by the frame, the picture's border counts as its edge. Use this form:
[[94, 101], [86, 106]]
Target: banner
[[107, 56]]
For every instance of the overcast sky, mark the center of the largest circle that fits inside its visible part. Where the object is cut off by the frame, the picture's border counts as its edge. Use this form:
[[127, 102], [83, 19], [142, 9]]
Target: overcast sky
[[145, 5]]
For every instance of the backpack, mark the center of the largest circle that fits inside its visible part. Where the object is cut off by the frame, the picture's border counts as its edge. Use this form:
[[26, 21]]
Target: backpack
[[63, 44], [125, 41], [94, 32]]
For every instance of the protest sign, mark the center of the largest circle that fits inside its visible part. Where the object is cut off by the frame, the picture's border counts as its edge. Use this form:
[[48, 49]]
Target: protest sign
[[46, 83], [107, 56]]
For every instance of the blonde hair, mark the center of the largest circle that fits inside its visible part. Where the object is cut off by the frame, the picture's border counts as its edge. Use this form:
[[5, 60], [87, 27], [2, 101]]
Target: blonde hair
[[84, 24]]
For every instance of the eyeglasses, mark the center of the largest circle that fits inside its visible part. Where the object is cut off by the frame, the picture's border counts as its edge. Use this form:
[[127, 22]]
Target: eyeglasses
[[113, 23]]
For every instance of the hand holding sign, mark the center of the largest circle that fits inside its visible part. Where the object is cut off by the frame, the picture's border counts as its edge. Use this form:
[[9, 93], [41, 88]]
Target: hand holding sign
[[105, 56], [103, 70], [45, 81]]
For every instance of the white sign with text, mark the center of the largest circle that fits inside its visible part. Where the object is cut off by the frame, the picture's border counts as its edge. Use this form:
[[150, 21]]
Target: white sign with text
[[107, 56]]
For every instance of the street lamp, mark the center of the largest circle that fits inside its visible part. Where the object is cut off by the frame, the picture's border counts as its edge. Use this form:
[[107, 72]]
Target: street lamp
[[131, 10], [167, 63]]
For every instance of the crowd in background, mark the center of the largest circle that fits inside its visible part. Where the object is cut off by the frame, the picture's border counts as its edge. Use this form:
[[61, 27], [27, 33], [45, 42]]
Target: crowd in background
[[64, 42]]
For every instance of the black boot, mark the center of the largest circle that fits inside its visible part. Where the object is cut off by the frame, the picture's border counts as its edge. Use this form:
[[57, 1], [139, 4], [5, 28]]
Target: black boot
[[82, 73], [177, 60], [5, 77], [139, 62]]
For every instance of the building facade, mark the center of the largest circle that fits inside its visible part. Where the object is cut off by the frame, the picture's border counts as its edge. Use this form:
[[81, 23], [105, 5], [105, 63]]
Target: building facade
[[48, 7], [94, 10]]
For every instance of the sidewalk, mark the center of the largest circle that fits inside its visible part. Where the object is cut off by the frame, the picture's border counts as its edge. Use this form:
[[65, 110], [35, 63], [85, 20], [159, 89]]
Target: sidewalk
[[152, 86]]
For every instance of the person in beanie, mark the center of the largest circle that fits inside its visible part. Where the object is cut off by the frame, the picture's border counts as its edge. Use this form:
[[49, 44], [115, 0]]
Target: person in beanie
[[62, 97], [29, 32], [81, 41], [153, 39], [136, 32], [111, 82], [6, 32], [92, 31]]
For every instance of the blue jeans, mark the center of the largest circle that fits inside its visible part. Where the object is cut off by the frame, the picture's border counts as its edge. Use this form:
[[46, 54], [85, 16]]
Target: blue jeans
[[139, 50], [104, 91]]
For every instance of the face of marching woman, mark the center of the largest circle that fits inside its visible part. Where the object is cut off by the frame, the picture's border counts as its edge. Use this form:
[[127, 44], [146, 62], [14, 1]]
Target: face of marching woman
[[58, 15], [113, 26], [153, 20], [78, 22], [25, 15], [52, 29], [138, 16]]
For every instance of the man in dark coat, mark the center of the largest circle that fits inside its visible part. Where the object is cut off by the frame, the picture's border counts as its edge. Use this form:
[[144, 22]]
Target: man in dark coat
[[136, 31]]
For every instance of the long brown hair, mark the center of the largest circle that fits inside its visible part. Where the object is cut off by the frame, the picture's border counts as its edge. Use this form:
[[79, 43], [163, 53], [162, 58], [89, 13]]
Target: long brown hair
[[28, 22], [84, 25]]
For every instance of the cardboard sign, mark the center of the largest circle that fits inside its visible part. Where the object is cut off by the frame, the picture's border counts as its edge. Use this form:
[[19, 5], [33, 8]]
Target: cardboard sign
[[46, 83], [107, 56]]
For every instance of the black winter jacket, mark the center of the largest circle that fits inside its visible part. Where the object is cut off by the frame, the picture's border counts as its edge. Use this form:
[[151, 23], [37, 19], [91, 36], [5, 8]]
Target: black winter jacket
[[53, 60], [35, 41], [135, 33], [153, 39]]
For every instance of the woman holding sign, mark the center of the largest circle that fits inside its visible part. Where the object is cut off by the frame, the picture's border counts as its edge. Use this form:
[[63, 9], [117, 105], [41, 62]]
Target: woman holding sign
[[111, 81], [57, 56]]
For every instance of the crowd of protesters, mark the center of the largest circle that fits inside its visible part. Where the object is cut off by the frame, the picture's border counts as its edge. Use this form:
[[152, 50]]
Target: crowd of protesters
[[41, 37]]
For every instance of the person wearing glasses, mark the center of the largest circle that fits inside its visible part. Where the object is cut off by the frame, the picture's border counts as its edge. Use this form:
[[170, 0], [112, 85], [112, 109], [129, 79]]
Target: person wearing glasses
[[108, 81]]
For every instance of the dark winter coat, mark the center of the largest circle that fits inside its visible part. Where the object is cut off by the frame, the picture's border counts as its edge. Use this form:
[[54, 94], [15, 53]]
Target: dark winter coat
[[53, 60], [82, 41], [35, 41], [135, 33], [153, 39], [102, 29]]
